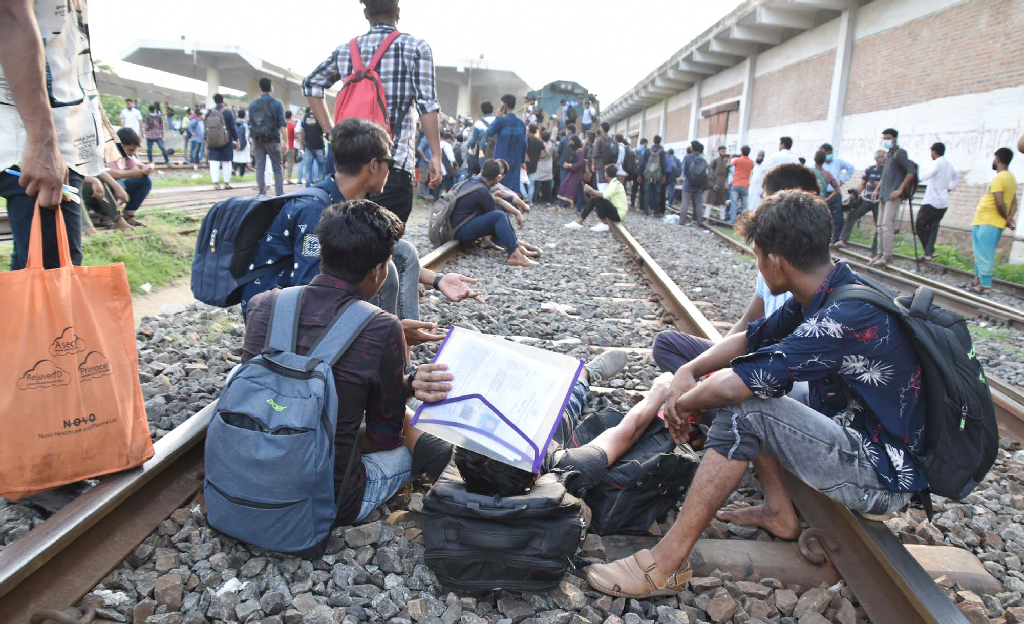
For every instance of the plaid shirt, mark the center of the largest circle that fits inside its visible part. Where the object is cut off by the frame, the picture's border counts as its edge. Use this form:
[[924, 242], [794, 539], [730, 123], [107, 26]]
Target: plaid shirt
[[407, 75]]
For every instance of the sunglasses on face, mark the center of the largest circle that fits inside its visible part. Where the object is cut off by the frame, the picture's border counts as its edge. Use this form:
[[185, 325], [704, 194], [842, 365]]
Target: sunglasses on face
[[390, 162]]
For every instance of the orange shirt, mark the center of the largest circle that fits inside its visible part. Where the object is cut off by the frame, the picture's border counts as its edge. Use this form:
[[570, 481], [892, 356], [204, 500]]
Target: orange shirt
[[743, 165]]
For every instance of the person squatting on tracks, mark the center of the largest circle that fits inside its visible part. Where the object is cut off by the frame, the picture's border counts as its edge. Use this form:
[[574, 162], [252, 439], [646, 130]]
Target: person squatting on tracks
[[854, 449]]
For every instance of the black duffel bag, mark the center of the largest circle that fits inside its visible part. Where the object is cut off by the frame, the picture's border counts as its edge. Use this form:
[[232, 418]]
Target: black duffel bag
[[643, 485], [522, 543]]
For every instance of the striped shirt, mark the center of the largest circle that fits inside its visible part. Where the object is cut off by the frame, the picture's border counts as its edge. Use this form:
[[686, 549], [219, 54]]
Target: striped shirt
[[407, 76]]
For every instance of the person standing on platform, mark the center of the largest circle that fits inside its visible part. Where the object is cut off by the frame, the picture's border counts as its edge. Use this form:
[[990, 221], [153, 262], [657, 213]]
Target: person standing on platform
[[510, 145], [756, 182], [740, 190], [131, 116], [719, 172], [897, 173], [996, 211], [221, 142], [941, 178], [841, 171], [291, 155], [266, 121], [155, 134]]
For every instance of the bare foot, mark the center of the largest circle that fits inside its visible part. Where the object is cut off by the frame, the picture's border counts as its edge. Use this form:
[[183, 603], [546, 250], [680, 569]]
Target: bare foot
[[782, 524], [121, 224]]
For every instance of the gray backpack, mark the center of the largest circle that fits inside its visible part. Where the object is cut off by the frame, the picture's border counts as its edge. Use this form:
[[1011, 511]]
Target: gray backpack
[[441, 230], [270, 444]]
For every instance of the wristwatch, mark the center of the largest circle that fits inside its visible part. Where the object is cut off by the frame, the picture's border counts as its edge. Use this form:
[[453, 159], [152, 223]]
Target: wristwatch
[[408, 382], [437, 281]]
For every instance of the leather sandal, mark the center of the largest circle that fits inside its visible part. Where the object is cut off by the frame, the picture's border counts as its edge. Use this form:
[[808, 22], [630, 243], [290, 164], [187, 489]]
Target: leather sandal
[[637, 576]]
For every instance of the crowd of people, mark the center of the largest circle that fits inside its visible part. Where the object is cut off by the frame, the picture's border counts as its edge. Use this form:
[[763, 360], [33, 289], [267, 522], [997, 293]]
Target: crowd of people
[[829, 390]]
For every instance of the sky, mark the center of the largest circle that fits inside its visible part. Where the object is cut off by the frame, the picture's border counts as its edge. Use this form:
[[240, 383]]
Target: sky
[[607, 50]]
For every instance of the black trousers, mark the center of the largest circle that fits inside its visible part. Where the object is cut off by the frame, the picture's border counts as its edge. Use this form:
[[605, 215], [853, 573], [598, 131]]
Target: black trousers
[[397, 195], [604, 209], [851, 219], [638, 187], [20, 210], [928, 219]]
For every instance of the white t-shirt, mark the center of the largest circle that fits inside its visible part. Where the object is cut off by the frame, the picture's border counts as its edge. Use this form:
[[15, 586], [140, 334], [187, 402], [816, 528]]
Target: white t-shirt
[[588, 114], [132, 119], [771, 302]]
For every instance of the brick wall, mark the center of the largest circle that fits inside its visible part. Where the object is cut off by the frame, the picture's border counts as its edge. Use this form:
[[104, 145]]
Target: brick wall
[[678, 125], [652, 127], [703, 127], [952, 52], [793, 94], [718, 96]]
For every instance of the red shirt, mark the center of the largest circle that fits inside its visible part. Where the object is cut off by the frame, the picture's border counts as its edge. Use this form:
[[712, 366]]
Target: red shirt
[[291, 135], [741, 174]]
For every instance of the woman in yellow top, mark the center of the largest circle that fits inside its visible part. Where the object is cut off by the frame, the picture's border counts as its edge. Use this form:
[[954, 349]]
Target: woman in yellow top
[[610, 204], [996, 211]]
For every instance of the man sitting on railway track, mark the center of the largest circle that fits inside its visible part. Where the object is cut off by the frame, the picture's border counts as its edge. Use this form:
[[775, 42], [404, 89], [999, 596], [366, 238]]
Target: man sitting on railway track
[[852, 442], [362, 158], [673, 348]]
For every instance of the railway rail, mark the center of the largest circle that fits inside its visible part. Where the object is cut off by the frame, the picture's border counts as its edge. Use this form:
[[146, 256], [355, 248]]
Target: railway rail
[[66, 556], [906, 282]]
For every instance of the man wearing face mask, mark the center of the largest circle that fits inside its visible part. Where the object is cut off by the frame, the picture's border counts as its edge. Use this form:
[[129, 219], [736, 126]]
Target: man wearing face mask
[[897, 174], [756, 181], [841, 171]]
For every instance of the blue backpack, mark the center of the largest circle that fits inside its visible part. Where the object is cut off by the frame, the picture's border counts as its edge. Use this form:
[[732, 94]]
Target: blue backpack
[[270, 444], [226, 241]]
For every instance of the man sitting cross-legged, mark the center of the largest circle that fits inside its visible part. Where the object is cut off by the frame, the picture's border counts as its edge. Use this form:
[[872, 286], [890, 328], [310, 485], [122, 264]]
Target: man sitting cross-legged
[[852, 442], [483, 475]]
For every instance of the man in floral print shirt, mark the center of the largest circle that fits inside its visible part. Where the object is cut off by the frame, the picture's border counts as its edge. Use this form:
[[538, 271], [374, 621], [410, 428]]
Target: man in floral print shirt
[[852, 442]]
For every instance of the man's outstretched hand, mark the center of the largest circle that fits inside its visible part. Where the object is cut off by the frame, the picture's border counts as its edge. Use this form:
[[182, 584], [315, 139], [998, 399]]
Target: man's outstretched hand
[[416, 332], [43, 172], [456, 288]]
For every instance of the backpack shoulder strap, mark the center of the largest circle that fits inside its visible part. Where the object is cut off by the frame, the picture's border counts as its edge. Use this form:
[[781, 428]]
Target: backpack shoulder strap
[[867, 294], [343, 330], [312, 191], [382, 48], [284, 320], [355, 55]]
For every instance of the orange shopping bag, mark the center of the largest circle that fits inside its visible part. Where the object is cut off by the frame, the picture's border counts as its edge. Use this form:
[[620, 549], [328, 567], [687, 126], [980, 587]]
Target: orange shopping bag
[[71, 406]]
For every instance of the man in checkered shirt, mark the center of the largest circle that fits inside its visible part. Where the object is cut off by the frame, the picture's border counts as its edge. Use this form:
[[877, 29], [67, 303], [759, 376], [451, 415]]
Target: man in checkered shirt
[[407, 77]]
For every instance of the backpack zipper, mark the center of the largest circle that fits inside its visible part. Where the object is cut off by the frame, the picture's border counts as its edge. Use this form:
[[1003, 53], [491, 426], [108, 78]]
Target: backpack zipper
[[248, 503]]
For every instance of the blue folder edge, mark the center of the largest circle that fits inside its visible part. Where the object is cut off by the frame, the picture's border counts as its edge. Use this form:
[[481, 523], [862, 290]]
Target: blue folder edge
[[537, 457]]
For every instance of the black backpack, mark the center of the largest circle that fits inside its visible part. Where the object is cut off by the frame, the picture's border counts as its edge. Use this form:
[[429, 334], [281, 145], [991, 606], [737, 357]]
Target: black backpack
[[609, 151], [242, 135], [643, 485], [570, 114], [629, 162], [521, 543], [262, 126], [911, 190], [697, 173], [961, 435]]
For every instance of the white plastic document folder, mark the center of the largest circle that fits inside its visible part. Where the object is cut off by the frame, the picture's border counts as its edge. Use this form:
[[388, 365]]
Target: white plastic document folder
[[506, 399]]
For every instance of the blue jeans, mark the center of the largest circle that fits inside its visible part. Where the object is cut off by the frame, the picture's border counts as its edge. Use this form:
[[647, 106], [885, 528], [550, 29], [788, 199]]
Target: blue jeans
[[653, 190], [311, 159], [985, 239], [571, 417], [399, 294], [20, 211], [160, 144], [836, 206], [386, 473], [739, 198], [196, 151], [494, 223], [531, 186], [137, 189], [670, 190]]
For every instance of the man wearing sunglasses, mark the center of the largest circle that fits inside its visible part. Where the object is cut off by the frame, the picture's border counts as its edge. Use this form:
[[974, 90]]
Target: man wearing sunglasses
[[361, 151]]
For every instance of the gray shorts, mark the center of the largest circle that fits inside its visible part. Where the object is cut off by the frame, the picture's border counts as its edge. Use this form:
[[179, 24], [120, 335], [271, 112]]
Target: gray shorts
[[811, 446]]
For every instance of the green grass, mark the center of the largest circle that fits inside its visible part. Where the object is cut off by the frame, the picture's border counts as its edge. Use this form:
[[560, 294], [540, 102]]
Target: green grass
[[167, 180], [156, 254], [946, 255]]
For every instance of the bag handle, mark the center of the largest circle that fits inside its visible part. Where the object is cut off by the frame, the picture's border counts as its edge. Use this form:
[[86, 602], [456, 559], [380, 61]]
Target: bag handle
[[35, 240], [382, 48]]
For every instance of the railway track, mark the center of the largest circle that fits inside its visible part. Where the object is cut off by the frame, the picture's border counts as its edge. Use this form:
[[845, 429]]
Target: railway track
[[906, 282], [66, 556]]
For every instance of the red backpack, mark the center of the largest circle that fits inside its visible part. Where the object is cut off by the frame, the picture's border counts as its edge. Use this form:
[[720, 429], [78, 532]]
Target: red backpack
[[362, 94]]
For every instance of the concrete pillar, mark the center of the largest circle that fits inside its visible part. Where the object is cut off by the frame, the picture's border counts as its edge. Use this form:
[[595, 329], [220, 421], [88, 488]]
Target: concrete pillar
[[746, 98], [664, 119], [643, 124], [212, 85], [286, 96], [254, 90], [695, 111], [462, 103], [1017, 250], [840, 76]]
